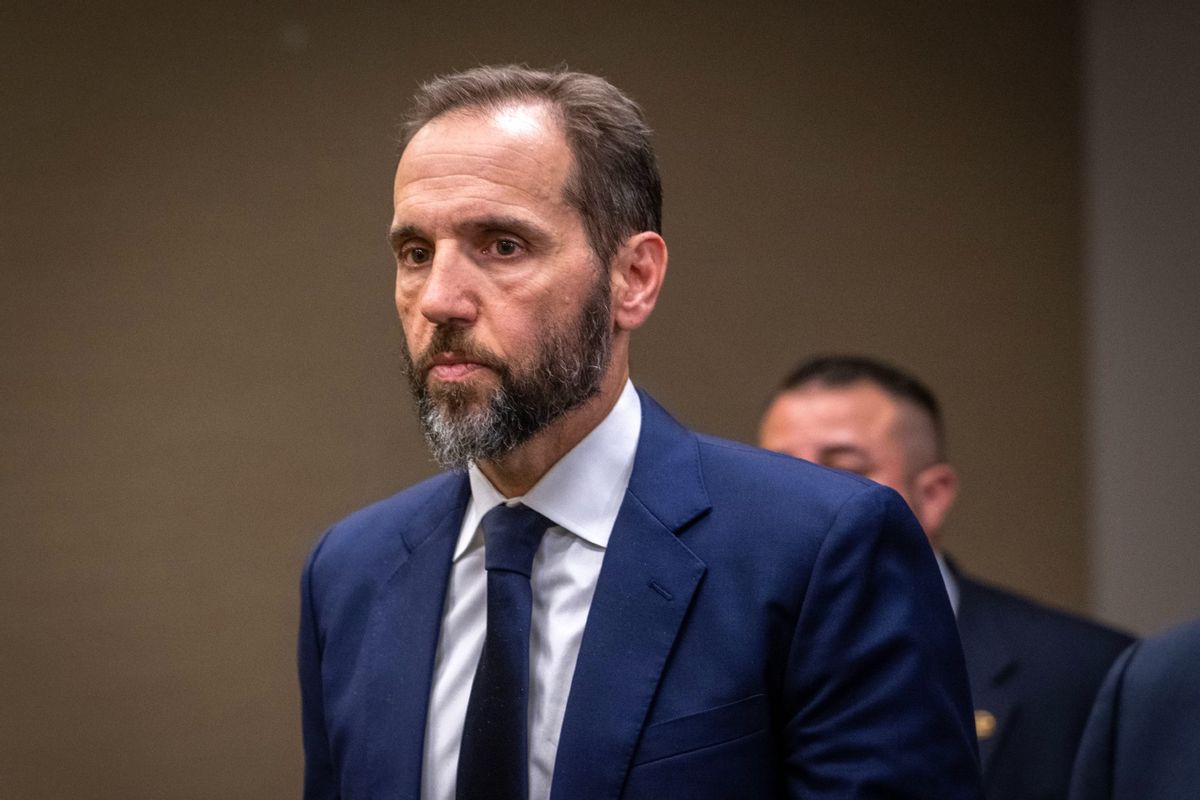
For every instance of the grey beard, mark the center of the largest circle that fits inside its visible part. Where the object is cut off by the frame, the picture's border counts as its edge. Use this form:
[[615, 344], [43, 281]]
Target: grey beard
[[457, 439], [569, 370]]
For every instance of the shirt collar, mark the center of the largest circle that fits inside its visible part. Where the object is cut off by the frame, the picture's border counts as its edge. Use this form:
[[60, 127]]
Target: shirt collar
[[950, 581], [583, 491]]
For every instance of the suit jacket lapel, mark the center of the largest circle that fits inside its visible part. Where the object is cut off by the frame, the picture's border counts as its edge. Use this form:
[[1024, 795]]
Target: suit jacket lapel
[[645, 587], [991, 666], [402, 641]]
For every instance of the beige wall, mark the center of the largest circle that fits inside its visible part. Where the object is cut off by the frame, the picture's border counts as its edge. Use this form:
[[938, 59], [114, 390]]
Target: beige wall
[[199, 355], [1143, 308]]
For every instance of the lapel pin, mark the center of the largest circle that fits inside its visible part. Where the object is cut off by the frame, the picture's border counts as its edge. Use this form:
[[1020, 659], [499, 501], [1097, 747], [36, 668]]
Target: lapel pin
[[985, 724]]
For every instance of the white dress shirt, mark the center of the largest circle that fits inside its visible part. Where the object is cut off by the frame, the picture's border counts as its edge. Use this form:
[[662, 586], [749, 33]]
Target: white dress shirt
[[948, 579], [581, 494]]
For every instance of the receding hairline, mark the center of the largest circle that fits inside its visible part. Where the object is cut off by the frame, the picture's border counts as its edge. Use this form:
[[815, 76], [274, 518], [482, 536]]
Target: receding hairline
[[484, 108]]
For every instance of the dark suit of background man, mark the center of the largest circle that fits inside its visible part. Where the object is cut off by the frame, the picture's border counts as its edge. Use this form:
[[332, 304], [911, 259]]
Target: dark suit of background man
[[707, 620], [1034, 671], [1142, 741]]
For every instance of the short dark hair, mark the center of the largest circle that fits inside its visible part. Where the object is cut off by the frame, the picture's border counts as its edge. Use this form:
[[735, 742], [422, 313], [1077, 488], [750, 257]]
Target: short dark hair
[[844, 370], [614, 182]]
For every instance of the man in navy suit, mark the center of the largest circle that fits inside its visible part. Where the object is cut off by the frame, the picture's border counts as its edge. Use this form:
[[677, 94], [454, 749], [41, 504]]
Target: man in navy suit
[[686, 617], [1142, 741], [1033, 670]]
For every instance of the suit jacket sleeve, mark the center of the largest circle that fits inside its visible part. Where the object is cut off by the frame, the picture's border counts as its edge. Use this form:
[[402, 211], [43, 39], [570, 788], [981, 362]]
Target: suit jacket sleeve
[[1092, 776], [319, 777], [877, 695]]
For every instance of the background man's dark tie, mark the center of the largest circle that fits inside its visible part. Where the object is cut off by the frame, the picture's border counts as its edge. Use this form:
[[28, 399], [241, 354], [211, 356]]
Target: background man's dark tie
[[493, 763]]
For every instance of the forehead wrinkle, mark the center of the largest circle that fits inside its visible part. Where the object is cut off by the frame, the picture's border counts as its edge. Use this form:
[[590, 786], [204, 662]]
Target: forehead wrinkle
[[495, 152], [465, 206], [451, 187], [530, 157]]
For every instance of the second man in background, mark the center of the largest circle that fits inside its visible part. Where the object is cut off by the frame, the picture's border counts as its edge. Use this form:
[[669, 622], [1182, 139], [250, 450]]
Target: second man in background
[[1034, 671]]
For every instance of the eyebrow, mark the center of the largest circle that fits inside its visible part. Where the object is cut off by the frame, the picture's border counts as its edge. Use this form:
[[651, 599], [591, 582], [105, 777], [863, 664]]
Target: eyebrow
[[399, 233]]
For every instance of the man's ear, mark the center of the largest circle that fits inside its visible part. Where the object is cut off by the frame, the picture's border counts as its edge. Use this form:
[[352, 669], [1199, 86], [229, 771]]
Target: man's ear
[[936, 488], [637, 276]]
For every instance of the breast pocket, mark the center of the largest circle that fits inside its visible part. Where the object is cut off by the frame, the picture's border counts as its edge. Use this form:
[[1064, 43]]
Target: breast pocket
[[722, 753], [703, 729]]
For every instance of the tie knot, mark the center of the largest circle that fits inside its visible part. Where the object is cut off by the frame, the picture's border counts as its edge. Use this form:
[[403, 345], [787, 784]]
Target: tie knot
[[511, 535]]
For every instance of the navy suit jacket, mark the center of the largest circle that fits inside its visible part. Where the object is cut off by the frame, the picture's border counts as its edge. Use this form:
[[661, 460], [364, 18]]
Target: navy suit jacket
[[1034, 673], [761, 628], [1142, 741]]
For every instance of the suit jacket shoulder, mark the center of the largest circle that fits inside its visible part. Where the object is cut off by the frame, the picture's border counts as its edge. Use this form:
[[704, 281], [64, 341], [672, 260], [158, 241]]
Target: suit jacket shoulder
[[1034, 672], [1141, 741], [1034, 629], [376, 535]]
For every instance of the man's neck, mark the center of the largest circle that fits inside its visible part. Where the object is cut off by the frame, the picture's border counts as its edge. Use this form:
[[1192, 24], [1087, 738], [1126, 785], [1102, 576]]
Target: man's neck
[[518, 471]]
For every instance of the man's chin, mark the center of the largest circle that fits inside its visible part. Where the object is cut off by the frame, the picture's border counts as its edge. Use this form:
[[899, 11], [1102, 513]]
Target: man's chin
[[458, 398]]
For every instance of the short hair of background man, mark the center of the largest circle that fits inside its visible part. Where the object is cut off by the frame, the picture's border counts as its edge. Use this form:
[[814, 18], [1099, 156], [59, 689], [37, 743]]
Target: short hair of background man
[[614, 182], [835, 371]]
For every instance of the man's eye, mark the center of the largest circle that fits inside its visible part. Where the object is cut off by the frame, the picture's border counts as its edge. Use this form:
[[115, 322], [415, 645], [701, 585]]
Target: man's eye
[[506, 247], [854, 465], [416, 255]]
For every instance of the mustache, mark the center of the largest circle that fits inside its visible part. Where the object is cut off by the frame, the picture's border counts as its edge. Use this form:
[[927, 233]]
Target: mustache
[[458, 341]]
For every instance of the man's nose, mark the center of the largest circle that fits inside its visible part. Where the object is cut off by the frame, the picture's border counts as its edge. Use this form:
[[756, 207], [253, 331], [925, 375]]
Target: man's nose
[[449, 296]]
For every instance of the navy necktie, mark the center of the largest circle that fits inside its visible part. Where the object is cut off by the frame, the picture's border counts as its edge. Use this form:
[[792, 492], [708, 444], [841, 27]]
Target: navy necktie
[[493, 762]]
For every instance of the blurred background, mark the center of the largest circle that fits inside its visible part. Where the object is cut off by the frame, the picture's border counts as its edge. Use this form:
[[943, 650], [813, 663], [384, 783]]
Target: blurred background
[[200, 357]]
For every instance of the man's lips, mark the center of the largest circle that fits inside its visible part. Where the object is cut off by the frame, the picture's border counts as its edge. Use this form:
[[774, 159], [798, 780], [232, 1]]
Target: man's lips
[[453, 367], [453, 372]]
